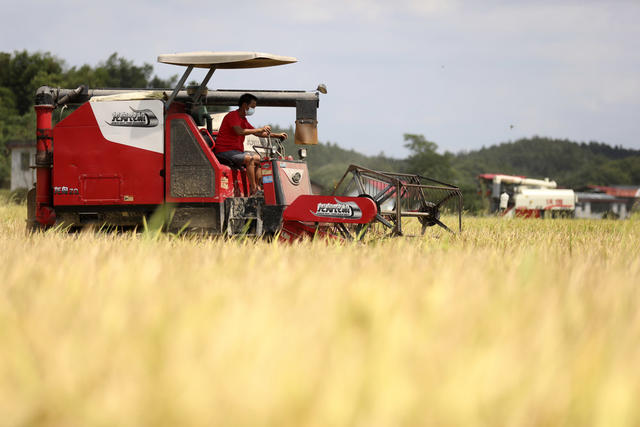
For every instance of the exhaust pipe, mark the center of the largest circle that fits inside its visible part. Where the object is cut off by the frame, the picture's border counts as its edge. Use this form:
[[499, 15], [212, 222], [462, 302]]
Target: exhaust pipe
[[70, 95], [44, 106]]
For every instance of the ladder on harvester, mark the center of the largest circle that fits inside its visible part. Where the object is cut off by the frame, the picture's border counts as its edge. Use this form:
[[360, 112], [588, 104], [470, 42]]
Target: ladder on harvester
[[243, 216]]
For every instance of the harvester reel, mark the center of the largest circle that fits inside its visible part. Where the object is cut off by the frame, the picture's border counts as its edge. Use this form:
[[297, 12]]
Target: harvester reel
[[401, 195]]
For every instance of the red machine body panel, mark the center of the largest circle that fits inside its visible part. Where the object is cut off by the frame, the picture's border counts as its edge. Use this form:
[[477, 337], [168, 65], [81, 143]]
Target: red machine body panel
[[284, 181], [292, 177], [119, 153], [311, 208], [89, 169]]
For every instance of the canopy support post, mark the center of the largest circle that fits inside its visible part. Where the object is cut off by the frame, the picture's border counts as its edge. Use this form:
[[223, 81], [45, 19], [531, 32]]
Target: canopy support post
[[178, 87], [203, 85]]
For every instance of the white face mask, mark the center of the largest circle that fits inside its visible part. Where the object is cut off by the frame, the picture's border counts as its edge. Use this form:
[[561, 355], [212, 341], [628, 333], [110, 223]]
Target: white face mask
[[250, 111]]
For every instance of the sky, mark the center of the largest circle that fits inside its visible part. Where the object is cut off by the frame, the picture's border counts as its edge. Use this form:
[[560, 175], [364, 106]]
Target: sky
[[464, 74]]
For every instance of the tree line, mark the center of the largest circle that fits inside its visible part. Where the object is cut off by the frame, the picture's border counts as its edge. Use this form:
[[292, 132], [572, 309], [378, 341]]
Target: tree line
[[571, 164]]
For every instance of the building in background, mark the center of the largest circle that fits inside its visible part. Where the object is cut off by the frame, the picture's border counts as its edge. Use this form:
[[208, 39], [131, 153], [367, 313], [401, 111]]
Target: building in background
[[599, 201], [23, 155]]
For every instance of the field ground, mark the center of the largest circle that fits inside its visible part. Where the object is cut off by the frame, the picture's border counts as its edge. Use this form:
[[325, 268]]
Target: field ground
[[517, 322]]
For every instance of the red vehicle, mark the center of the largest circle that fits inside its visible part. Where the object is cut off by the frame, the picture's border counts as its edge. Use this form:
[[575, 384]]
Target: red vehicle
[[123, 153]]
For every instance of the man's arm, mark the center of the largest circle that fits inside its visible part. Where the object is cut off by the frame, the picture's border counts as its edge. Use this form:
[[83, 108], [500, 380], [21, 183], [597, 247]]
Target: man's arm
[[240, 131], [261, 132]]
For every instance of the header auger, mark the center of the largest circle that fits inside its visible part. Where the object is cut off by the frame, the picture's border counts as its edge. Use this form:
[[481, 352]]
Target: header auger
[[124, 153]]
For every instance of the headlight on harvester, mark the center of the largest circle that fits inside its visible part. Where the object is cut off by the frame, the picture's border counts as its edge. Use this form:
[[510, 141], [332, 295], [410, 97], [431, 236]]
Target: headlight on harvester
[[302, 153]]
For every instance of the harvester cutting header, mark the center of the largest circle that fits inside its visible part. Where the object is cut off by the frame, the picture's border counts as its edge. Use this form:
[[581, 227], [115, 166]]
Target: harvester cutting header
[[122, 153]]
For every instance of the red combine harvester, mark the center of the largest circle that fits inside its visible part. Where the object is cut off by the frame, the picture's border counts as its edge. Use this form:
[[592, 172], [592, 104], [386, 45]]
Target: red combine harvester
[[123, 153]]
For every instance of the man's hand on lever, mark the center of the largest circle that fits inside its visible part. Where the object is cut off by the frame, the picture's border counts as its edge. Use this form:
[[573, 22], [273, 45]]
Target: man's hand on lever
[[266, 132]]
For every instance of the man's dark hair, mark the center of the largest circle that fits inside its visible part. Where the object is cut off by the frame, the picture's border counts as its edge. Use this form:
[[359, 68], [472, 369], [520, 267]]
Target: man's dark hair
[[246, 99]]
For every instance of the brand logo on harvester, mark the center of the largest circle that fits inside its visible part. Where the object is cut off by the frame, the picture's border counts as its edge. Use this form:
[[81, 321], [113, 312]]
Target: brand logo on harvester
[[136, 118], [338, 210]]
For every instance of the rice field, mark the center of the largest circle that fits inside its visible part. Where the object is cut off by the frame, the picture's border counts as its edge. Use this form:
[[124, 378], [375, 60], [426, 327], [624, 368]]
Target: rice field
[[514, 322]]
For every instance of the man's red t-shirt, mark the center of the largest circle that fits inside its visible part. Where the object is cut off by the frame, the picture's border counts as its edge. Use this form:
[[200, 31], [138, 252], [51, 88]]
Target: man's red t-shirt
[[227, 139]]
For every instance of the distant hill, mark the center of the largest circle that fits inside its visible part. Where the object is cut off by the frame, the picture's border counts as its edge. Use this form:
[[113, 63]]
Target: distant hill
[[569, 163]]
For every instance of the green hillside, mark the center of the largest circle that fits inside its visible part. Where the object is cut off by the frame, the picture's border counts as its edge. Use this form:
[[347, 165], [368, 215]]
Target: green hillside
[[569, 163]]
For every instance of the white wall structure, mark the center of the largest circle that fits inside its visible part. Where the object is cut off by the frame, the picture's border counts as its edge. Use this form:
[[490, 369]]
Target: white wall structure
[[597, 205], [23, 156]]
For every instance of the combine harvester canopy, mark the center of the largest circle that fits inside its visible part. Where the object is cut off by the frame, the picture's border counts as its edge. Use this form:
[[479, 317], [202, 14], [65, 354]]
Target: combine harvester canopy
[[124, 153]]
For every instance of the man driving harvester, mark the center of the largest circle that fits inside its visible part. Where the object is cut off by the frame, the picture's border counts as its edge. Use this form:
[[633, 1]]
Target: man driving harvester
[[230, 141]]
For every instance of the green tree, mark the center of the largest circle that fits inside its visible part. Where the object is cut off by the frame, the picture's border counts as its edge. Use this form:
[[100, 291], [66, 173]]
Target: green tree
[[22, 72], [425, 160]]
